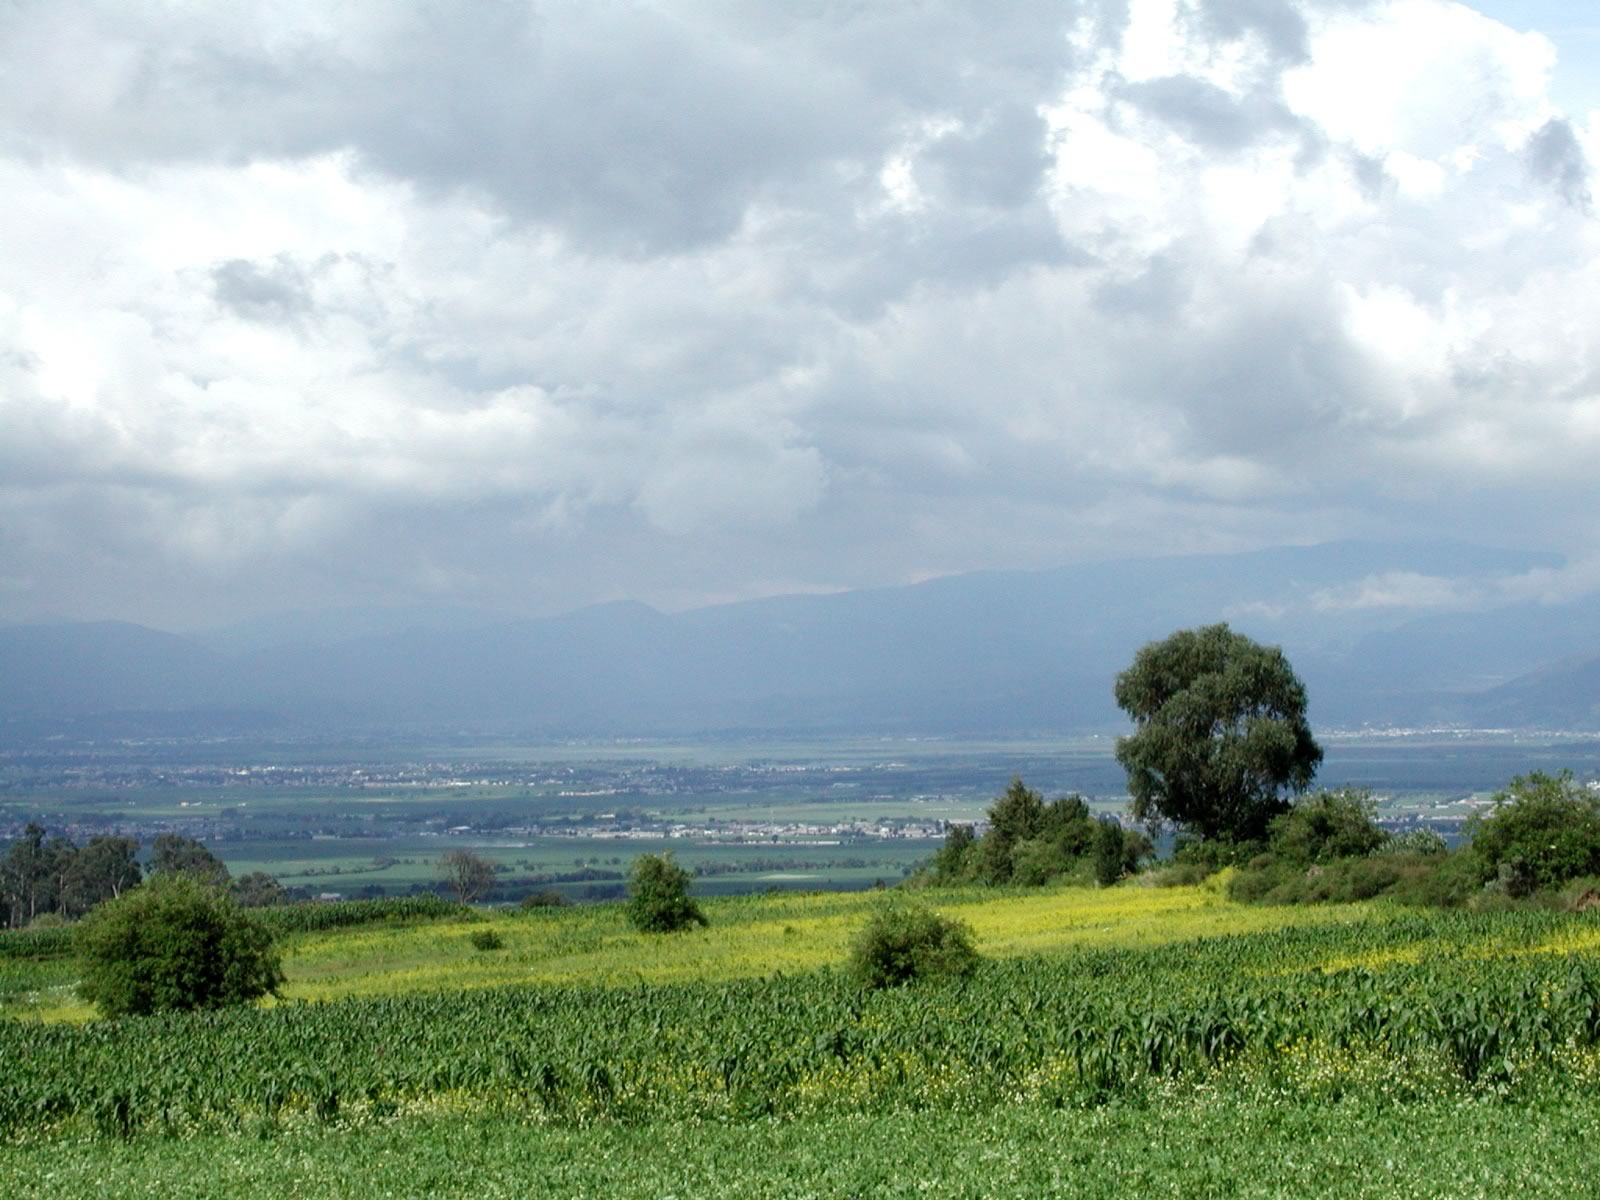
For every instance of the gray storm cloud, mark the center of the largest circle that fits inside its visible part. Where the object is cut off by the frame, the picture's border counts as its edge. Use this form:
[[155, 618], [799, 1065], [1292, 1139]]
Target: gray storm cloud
[[540, 304]]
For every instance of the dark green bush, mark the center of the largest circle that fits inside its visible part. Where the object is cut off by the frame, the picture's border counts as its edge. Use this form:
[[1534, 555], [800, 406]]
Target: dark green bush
[[547, 898], [1037, 861], [658, 895], [1326, 827], [1542, 831], [1214, 853], [174, 943], [902, 942], [1029, 842], [487, 939], [1440, 880], [1109, 853]]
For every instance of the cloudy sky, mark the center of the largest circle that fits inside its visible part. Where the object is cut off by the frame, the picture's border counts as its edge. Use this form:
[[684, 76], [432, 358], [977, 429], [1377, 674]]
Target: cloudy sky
[[530, 304]]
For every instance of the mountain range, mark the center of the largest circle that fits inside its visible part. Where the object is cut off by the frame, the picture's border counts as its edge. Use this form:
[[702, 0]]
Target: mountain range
[[991, 652]]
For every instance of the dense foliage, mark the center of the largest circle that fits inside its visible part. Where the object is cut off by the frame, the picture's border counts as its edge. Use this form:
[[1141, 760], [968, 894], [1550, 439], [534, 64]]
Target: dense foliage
[[174, 854], [903, 942], [174, 943], [1220, 733], [658, 895], [1542, 831], [41, 875], [1030, 842]]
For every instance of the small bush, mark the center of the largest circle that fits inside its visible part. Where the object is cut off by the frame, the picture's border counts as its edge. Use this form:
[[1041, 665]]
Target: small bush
[[174, 943], [548, 898], [658, 895], [902, 943], [1440, 880], [487, 939]]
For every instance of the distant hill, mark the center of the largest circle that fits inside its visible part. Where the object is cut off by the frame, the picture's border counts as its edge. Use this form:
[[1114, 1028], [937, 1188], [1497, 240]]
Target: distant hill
[[1560, 696], [989, 652]]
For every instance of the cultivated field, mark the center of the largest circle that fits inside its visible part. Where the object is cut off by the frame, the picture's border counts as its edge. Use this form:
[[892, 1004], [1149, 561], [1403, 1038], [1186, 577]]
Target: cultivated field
[[1127, 1041]]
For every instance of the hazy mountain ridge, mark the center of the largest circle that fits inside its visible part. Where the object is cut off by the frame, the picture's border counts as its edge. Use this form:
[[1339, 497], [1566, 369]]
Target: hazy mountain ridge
[[999, 651]]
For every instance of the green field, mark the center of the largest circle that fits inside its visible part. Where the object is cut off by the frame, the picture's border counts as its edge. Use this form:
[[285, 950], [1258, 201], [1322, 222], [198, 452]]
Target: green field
[[1125, 1041], [1194, 1147]]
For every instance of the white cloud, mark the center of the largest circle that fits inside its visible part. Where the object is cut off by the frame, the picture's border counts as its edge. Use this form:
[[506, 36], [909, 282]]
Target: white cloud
[[311, 303]]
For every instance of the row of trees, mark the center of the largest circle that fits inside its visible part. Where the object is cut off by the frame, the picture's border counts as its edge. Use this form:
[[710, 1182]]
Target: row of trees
[[42, 875]]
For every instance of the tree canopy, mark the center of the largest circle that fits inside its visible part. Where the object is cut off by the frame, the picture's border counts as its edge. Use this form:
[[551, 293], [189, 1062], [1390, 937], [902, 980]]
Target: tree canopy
[[1031, 841], [172, 853], [1221, 737], [50, 876]]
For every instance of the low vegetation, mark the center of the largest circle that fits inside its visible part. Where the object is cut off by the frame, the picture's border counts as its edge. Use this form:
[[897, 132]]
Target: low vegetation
[[901, 943], [1540, 837]]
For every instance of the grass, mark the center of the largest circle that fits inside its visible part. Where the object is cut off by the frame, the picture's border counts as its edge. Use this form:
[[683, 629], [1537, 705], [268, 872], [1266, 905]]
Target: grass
[[1194, 1146]]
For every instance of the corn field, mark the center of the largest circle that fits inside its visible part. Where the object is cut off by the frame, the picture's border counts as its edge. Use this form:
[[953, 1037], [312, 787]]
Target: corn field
[[1494, 1006]]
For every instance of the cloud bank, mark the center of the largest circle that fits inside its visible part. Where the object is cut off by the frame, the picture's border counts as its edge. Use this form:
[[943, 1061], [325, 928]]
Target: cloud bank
[[533, 305]]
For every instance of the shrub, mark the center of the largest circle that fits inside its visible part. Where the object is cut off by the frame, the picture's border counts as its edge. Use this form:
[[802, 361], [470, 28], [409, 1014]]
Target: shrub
[[1178, 874], [174, 943], [548, 898], [1326, 827], [901, 943], [1440, 880], [1037, 861], [658, 895], [487, 939], [1214, 853], [1542, 831], [1111, 852]]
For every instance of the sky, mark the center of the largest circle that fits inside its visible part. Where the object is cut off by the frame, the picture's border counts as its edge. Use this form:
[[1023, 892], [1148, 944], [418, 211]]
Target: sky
[[531, 305]]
